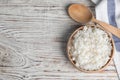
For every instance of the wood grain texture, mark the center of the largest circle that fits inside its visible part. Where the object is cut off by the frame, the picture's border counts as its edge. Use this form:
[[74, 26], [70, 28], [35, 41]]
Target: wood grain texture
[[33, 37]]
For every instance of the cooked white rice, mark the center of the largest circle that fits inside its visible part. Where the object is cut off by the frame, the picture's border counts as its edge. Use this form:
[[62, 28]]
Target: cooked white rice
[[91, 48]]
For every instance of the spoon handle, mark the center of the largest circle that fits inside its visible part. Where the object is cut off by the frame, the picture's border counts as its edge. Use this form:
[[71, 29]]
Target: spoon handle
[[115, 31]]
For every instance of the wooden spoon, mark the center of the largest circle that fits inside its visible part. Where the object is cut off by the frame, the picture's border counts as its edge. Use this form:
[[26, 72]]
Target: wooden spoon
[[83, 14]]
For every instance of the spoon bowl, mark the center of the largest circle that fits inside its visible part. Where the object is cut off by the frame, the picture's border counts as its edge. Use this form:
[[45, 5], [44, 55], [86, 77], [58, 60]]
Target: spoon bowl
[[80, 13]]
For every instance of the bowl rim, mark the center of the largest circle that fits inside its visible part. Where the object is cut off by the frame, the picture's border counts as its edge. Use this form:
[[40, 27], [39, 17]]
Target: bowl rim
[[89, 71]]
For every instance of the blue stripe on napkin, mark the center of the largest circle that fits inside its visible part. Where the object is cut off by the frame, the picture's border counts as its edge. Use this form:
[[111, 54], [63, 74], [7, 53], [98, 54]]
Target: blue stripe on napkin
[[112, 21]]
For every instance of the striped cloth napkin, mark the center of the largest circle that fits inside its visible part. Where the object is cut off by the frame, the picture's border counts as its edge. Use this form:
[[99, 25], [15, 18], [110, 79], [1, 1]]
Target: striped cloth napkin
[[109, 12]]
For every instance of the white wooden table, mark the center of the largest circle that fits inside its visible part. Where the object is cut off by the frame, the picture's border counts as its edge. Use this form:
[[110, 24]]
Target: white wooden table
[[33, 37]]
